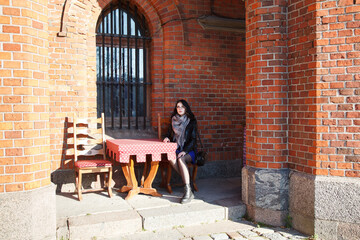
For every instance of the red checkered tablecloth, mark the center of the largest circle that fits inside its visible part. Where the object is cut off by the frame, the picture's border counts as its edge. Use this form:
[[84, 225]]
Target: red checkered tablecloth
[[122, 149]]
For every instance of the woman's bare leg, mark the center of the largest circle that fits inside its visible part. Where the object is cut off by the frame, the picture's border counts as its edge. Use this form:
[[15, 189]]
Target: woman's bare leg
[[175, 166], [184, 171]]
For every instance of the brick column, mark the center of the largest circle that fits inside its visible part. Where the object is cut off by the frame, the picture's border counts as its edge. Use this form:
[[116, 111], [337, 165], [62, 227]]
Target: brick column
[[27, 208], [324, 126], [265, 177]]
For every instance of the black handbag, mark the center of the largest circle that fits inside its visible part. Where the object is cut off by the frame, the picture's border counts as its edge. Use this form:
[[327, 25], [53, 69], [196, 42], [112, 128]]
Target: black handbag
[[201, 156]]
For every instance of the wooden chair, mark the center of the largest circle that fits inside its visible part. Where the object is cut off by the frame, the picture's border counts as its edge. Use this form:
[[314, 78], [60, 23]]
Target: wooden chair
[[89, 153], [166, 168]]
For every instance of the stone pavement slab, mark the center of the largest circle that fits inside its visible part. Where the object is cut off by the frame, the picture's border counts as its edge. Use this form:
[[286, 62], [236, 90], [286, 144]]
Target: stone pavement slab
[[212, 228], [219, 236], [171, 234], [262, 231], [274, 236], [247, 233], [203, 237]]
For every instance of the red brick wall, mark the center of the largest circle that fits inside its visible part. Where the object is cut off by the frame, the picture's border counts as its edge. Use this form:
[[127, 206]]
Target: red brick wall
[[72, 71], [324, 87], [302, 86], [205, 67], [338, 47], [266, 84], [24, 115]]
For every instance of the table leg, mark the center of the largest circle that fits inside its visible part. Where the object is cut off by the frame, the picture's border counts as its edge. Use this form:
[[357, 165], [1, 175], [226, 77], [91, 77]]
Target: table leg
[[144, 173], [147, 189], [126, 170], [135, 188]]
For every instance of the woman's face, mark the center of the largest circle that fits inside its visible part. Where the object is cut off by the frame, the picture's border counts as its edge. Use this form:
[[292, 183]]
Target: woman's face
[[180, 109]]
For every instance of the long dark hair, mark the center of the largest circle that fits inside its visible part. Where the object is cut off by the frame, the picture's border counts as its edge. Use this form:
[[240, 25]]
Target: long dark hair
[[188, 111]]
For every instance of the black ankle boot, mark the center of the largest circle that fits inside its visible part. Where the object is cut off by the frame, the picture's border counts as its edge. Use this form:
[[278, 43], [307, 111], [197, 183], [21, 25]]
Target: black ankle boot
[[188, 194]]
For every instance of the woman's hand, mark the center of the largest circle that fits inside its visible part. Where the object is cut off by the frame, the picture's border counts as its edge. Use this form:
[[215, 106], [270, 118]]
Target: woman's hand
[[166, 140], [181, 154]]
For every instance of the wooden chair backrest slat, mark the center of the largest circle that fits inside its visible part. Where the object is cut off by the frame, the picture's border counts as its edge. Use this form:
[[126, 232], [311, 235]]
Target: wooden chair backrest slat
[[88, 141], [70, 151], [88, 120], [85, 131], [90, 152], [84, 144]]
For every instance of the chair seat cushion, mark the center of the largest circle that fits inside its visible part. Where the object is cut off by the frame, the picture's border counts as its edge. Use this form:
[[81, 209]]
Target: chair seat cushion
[[93, 163]]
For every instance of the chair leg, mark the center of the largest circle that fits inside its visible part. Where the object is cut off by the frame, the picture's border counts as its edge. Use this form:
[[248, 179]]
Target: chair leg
[[193, 177], [168, 177], [109, 182], [79, 186], [163, 180], [76, 181]]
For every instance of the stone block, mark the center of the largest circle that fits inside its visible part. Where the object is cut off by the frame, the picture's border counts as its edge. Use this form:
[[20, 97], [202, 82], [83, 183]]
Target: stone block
[[245, 185], [337, 199], [326, 206], [302, 223], [22, 214], [348, 231], [330, 230], [271, 188], [302, 194], [326, 230], [301, 202], [270, 217]]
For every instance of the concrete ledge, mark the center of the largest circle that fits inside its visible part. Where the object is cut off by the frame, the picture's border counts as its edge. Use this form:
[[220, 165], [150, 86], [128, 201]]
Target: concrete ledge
[[28, 215]]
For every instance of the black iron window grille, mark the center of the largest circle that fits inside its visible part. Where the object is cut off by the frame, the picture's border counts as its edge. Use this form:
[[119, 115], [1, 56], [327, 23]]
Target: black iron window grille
[[123, 82]]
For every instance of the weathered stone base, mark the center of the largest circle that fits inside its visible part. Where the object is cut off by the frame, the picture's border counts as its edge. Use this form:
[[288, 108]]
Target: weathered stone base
[[267, 216], [265, 193], [327, 207], [301, 202], [28, 215]]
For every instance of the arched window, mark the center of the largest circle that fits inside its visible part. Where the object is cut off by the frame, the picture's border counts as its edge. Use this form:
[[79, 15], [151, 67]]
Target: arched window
[[123, 83]]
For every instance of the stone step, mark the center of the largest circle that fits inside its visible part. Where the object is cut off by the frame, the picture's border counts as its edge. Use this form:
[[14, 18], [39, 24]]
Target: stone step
[[119, 223], [99, 217], [105, 224], [181, 215]]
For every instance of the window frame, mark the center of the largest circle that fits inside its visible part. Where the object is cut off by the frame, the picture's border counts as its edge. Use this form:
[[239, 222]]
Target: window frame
[[127, 85]]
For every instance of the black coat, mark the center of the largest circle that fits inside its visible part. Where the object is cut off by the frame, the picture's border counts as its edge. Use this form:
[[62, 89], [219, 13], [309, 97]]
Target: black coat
[[190, 136]]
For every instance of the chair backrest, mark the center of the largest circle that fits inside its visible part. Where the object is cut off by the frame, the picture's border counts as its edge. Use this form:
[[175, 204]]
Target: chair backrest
[[159, 127], [89, 140]]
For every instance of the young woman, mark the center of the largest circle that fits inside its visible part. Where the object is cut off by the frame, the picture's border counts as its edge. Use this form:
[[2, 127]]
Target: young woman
[[182, 130]]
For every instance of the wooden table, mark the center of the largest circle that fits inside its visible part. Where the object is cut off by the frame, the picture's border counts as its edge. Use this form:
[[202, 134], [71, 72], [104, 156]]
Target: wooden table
[[126, 151]]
